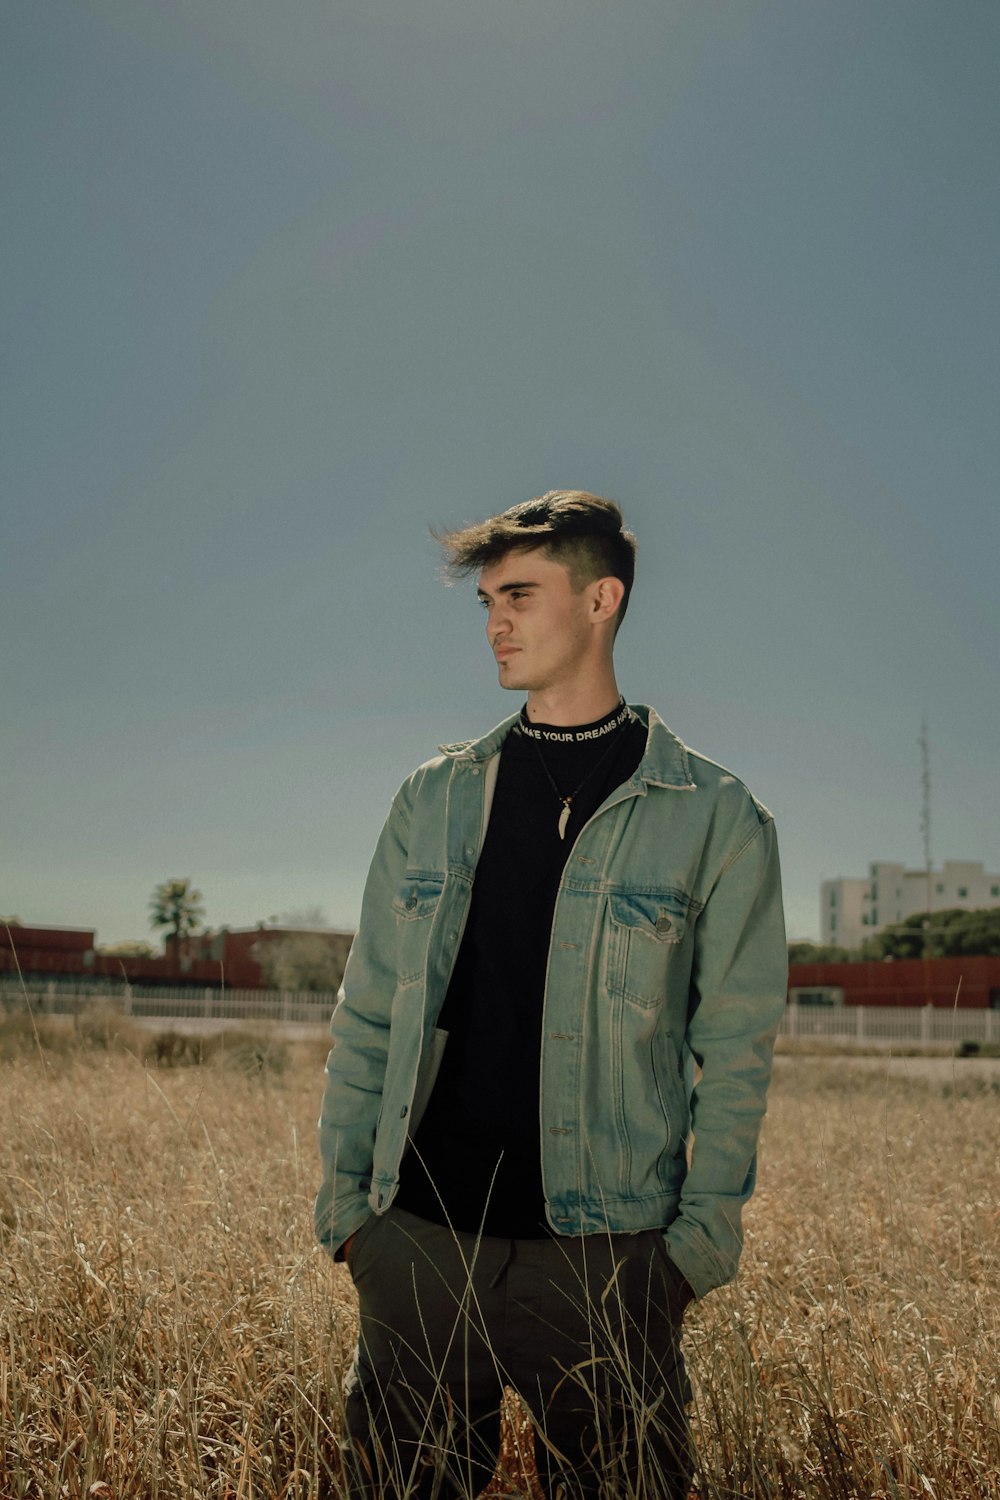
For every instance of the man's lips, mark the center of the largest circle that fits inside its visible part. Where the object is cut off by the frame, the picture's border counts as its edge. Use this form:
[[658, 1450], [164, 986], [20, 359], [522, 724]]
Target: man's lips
[[502, 652]]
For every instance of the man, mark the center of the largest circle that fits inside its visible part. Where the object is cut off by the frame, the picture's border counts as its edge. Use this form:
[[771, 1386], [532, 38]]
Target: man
[[561, 919]]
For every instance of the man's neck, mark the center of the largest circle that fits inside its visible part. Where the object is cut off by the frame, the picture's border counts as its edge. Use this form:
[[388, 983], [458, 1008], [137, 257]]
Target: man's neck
[[573, 706]]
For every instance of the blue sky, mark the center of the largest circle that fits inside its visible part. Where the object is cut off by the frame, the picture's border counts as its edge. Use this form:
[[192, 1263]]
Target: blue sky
[[286, 285]]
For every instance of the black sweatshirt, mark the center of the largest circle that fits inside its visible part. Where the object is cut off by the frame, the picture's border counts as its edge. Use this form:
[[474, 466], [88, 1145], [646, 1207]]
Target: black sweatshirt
[[475, 1162]]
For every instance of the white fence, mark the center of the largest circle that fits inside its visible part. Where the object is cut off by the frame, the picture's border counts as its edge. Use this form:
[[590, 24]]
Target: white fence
[[188, 1004], [927, 1024], [858, 1024]]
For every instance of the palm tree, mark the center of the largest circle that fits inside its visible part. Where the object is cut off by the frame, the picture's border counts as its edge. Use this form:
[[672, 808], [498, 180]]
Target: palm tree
[[176, 906]]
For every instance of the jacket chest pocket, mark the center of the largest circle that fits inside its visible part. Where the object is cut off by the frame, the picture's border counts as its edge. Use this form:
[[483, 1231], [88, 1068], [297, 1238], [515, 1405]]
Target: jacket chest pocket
[[645, 932], [414, 907]]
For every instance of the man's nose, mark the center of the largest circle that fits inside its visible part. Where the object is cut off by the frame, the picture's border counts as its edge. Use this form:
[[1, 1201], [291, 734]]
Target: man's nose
[[497, 624]]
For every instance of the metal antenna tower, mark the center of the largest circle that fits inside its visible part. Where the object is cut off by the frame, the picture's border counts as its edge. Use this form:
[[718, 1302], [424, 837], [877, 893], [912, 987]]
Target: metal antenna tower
[[925, 807]]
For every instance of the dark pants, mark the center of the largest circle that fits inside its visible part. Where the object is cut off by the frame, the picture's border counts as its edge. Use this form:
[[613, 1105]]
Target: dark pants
[[586, 1330]]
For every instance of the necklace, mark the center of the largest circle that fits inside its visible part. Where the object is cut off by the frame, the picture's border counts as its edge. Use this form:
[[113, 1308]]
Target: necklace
[[610, 728]]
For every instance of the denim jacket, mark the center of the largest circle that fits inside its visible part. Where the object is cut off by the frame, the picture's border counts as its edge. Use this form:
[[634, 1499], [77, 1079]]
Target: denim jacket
[[667, 950]]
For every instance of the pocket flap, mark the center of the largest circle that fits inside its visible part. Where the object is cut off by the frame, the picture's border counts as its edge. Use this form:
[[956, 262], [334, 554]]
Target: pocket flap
[[661, 915], [418, 896]]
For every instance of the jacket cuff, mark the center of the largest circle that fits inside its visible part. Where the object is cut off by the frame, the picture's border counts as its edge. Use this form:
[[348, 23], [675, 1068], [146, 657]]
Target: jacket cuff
[[333, 1239], [695, 1259]]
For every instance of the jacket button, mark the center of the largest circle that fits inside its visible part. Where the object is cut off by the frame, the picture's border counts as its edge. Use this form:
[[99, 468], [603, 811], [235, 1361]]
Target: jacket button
[[411, 903], [475, 770], [663, 924]]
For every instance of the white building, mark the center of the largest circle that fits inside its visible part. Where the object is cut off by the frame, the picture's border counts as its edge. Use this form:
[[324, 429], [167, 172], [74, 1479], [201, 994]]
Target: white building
[[854, 908]]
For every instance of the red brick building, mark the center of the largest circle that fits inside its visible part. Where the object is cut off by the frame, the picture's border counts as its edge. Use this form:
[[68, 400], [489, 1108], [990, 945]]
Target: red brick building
[[234, 959], [210, 960], [968, 983]]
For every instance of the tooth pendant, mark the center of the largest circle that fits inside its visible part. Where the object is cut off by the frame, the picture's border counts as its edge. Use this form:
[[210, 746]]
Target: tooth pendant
[[564, 819]]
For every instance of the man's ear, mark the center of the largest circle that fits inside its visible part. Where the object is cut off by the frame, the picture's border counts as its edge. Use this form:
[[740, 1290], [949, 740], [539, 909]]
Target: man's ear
[[607, 596]]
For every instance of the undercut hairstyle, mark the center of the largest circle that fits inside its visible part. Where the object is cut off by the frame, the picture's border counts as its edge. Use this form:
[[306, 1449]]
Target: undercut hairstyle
[[585, 533]]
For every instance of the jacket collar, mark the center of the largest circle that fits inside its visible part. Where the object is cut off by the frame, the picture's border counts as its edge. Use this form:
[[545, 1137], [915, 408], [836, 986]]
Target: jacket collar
[[664, 762]]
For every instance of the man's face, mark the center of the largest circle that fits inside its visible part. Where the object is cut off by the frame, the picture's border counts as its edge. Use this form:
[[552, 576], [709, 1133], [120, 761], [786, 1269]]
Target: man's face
[[537, 627]]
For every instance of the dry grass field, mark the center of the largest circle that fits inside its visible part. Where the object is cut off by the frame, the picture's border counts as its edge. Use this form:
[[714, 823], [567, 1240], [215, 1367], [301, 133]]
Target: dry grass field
[[168, 1329]]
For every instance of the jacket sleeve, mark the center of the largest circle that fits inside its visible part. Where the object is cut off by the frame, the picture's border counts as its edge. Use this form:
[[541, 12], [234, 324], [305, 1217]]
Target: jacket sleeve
[[355, 1068], [738, 994]]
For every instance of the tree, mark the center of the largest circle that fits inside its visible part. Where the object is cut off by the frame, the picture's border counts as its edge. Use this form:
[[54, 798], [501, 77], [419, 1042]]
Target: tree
[[820, 953], [128, 949], [977, 932], [176, 906], [310, 918], [302, 960], [954, 933]]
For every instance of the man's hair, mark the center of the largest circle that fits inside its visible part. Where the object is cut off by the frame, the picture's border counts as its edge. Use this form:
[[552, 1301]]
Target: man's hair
[[584, 533]]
